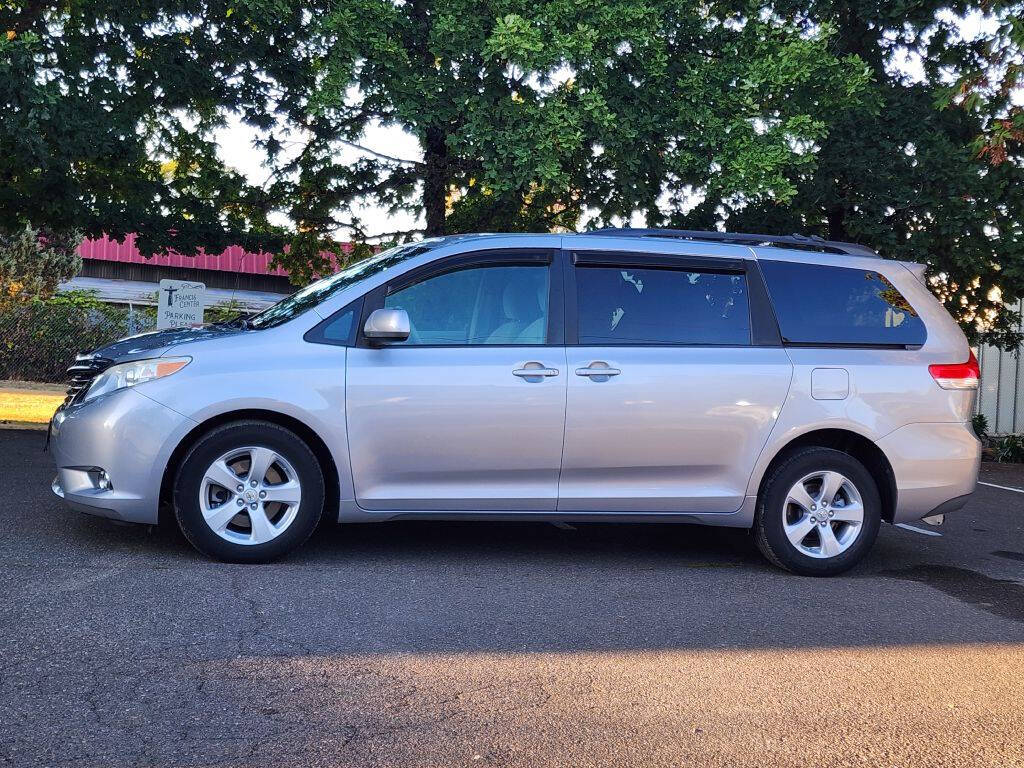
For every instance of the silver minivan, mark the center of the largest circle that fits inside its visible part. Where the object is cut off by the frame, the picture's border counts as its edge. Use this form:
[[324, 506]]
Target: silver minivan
[[805, 389]]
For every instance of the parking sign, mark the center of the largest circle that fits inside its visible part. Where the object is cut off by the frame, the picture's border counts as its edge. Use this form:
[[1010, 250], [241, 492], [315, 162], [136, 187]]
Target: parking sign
[[180, 304]]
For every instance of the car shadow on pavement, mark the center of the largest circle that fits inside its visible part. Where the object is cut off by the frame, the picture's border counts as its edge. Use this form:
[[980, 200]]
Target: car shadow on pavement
[[494, 586]]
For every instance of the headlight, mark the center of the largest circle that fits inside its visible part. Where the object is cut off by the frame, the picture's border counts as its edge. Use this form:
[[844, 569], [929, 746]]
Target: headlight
[[136, 372]]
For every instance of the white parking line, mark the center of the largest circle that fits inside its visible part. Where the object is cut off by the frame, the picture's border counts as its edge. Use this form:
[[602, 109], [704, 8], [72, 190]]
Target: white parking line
[[1004, 487], [915, 529]]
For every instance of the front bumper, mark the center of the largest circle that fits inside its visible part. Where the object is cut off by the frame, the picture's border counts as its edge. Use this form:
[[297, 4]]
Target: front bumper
[[126, 435], [936, 468]]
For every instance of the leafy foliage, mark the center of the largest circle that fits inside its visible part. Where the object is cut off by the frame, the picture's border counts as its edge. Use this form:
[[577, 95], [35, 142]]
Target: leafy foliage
[[1010, 449], [527, 114], [779, 116], [31, 265], [40, 337], [979, 422], [905, 177], [990, 72], [110, 112], [221, 313]]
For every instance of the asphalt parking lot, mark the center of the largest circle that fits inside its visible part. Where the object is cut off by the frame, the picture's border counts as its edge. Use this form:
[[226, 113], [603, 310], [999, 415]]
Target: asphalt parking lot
[[504, 644]]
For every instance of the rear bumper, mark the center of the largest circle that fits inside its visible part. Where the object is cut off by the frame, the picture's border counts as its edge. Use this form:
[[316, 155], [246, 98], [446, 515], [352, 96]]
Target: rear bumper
[[128, 436], [935, 465]]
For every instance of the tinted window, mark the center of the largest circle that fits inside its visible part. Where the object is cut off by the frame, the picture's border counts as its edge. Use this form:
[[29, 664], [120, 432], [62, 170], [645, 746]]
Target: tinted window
[[478, 305], [818, 304], [339, 329], [661, 306]]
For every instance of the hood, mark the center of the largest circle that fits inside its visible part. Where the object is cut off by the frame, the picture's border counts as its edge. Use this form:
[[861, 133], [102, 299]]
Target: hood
[[156, 343]]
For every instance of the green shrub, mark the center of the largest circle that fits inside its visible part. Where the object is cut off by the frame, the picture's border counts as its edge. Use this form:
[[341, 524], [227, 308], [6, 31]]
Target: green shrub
[[980, 424], [224, 312], [1010, 449], [39, 338], [33, 264]]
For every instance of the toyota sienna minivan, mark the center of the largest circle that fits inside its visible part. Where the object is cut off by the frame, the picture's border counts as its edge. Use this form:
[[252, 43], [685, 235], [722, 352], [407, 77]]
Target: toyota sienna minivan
[[806, 389]]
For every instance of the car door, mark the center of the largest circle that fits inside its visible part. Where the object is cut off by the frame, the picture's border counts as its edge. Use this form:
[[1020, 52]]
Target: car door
[[676, 377], [468, 413]]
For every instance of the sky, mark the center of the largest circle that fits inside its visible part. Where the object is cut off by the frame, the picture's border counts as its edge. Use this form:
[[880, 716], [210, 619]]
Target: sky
[[236, 148]]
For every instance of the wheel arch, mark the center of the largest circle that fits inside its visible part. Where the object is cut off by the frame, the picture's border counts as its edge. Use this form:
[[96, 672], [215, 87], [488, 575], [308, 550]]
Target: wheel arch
[[332, 486], [865, 450]]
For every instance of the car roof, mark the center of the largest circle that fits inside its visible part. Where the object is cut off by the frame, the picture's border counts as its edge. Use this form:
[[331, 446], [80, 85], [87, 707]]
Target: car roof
[[802, 248]]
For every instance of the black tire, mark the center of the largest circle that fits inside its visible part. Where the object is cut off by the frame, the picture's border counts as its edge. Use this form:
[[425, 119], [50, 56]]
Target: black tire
[[228, 437], [771, 507]]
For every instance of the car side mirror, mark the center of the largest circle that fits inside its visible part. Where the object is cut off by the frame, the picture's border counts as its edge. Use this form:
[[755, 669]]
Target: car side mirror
[[387, 325]]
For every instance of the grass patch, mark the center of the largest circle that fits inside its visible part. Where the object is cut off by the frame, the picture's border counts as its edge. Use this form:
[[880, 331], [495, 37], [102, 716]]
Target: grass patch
[[28, 406]]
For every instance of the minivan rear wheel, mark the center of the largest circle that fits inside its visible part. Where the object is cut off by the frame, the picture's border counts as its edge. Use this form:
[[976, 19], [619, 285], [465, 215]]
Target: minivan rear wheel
[[818, 514], [248, 491]]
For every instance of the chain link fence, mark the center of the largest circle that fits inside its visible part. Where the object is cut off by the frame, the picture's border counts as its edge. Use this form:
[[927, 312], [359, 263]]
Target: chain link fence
[[1001, 398], [39, 340]]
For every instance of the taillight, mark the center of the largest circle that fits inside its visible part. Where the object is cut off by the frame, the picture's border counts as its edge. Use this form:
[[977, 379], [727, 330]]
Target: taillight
[[957, 375]]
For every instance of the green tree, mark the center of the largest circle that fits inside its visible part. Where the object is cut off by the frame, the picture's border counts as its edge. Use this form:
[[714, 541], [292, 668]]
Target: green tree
[[32, 266], [990, 72], [781, 116], [907, 177], [109, 114], [528, 114]]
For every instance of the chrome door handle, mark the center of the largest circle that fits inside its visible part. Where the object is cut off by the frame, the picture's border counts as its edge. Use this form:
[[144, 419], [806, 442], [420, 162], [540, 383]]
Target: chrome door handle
[[526, 372], [595, 370]]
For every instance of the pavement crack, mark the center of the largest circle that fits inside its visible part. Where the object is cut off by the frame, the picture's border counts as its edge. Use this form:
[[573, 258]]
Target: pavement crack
[[256, 621]]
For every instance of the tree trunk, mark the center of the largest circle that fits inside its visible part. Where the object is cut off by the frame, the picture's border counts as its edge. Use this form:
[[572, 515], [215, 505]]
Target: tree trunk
[[855, 36], [837, 222], [435, 181]]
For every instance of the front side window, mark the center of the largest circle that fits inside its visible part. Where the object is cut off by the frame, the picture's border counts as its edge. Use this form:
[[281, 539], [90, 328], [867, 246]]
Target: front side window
[[496, 304], [661, 306], [820, 304]]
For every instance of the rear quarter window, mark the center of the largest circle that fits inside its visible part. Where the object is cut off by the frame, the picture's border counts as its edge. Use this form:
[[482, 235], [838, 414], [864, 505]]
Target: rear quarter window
[[819, 304]]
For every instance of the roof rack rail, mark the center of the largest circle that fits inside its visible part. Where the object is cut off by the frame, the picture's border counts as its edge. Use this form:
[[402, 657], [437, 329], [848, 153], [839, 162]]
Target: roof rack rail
[[805, 242]]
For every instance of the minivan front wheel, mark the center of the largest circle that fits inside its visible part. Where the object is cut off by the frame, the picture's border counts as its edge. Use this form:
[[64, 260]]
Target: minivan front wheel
[[248, 491], [818, 514]]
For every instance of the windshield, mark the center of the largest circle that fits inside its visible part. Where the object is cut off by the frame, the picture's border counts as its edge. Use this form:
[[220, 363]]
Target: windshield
[[323, 289]]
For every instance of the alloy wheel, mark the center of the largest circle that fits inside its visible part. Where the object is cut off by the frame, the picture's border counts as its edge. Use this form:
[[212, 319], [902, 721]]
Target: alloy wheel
[[823, 514], [250, 495]]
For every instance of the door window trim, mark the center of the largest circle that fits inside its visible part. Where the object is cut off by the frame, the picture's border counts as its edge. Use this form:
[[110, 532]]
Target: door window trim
[[612, 259], [764, 329], [525, 257]]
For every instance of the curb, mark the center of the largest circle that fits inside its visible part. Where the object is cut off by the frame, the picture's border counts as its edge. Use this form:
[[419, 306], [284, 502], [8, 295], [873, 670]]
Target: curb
[[22, 425]]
